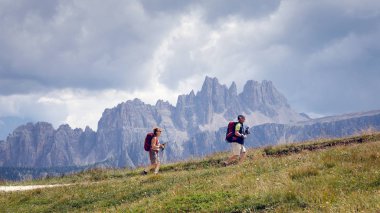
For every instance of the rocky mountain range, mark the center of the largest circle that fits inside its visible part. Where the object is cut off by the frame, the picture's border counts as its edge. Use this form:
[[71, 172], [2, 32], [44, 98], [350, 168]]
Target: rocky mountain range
[[194, 127]]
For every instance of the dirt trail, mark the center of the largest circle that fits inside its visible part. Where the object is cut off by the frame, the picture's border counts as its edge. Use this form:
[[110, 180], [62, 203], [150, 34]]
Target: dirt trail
[[30, 187]]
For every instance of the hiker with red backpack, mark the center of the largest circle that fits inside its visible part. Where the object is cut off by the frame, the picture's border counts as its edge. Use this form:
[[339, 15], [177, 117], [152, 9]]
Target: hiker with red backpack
[[236, 135], [153, 146]]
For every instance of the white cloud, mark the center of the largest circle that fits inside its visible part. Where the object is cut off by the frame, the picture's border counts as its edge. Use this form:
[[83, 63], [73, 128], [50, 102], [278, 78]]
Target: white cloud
[[78, 107], [28, 107]]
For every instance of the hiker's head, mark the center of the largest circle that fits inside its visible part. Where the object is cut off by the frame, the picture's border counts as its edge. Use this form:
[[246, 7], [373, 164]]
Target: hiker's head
[[157, 131], [241, 118]]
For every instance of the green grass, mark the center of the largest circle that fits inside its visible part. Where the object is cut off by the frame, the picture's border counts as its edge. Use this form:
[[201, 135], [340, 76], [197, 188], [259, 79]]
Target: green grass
[[341, 177]]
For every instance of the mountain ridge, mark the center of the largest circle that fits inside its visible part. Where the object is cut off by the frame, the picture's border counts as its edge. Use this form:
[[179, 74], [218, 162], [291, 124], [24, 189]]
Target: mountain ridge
[[195, 126]]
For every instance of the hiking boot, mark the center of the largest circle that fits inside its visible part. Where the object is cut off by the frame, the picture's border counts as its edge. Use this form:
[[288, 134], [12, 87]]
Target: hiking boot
[[144, 172]]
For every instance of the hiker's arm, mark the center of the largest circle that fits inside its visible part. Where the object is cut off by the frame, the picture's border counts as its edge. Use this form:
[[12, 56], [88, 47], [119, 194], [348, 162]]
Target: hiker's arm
[[154, 144], [237, 130], [237, 133]]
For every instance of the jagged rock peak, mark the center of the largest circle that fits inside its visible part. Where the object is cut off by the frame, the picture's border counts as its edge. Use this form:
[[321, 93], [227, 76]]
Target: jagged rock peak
[[266, 82], [192, 93], [250, 84], [209, 83], [210, 80], [130, 103], [163, 104], [211, 86], [233, 89], [88, 129], [38, 125], [256, 93], [135, 101], [64, 127], [43, 125]]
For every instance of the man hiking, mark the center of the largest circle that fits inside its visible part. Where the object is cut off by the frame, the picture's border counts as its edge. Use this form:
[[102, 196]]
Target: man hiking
[[237, 142], [153, 146]]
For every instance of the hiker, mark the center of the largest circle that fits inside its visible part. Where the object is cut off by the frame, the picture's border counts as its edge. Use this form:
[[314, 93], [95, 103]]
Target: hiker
[[236, 138], [153, 146]]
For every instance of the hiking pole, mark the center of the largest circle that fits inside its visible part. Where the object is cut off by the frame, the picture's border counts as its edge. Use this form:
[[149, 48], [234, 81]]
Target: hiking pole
[[163, 148], [162, 151]]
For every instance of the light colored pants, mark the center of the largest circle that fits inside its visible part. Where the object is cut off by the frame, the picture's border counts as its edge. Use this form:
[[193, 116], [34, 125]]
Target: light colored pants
[[237, 148], [153, 156]]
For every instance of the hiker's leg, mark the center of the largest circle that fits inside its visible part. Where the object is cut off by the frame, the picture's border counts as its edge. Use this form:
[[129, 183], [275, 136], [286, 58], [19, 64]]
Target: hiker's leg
[[243, 154], [242, 157], [157, 163], [152, 162], [235, 153], [157, 168]]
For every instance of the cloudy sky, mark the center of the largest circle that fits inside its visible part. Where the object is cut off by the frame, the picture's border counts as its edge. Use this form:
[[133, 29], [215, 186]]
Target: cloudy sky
[[65, 61]]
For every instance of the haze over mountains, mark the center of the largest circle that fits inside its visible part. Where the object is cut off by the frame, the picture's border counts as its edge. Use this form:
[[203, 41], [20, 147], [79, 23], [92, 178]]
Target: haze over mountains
[[194, 127]]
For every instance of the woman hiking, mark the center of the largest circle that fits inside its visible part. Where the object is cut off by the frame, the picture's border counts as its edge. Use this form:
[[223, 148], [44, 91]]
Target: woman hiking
[[153, 146]]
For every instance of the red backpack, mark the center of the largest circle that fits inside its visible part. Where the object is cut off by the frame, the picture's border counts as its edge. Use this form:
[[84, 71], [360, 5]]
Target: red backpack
[[230, 134], [148, 141]]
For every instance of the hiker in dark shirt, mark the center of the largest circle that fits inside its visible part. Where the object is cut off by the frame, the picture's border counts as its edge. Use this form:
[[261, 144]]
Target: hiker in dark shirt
[[237, 144]]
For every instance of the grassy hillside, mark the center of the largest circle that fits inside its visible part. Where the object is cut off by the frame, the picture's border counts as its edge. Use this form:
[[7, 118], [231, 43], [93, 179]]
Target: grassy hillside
[[335, 176]]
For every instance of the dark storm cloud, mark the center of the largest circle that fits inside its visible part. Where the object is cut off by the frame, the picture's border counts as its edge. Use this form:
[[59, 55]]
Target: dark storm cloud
[[333, 64], [22, 8], [322, 54], [80, 44], [215, 9]]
